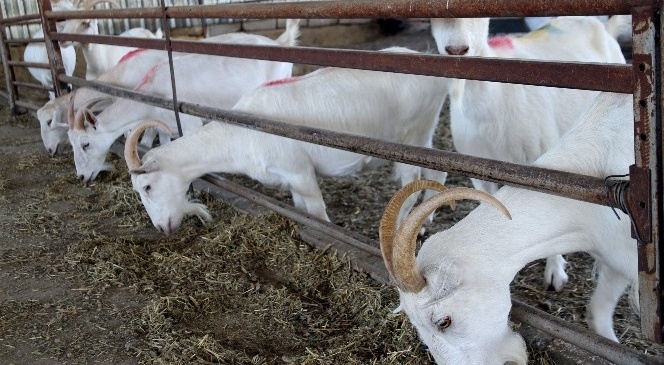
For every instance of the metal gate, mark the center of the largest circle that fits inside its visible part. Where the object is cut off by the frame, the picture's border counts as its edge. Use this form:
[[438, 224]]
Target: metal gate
[[641, 197]]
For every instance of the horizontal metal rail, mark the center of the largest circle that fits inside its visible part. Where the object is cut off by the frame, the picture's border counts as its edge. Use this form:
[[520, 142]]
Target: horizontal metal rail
[[20, 20], [27, 105], [29, 64], [371, 9], [580, 337], [32, 85], [575, 75], [575, 186], [20, 41]]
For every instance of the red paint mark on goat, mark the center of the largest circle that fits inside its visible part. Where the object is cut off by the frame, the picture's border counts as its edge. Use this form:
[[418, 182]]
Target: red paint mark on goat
[[131, 54], [501, 42], [286, 80], [148, 76]]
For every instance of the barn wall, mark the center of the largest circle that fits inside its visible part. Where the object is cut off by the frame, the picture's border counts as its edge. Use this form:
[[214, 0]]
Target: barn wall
[[13, 8]]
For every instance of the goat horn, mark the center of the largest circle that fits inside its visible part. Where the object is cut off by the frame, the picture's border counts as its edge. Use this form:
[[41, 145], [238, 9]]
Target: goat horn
[[92, 102], [70, 110], [131, 144], [388, 221], [407, 278], [82, 112], [88, 5]]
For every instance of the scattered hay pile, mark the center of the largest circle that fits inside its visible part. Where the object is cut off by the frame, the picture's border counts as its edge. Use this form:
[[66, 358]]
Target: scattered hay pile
[[245, 290]]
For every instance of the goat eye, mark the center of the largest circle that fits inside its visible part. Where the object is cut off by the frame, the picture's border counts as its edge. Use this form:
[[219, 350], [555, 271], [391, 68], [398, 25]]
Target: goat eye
[[147, 188], [85, 146], [444, 323], [49, 122]]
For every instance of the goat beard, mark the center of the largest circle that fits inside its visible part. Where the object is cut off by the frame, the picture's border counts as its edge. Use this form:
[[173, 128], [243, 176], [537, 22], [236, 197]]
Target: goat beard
[[200, 210]]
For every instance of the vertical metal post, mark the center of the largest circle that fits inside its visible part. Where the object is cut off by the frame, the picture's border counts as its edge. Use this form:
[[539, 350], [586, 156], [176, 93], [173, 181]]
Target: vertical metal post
[[52, 48], [167, 33], [645, 175], [10, 75]]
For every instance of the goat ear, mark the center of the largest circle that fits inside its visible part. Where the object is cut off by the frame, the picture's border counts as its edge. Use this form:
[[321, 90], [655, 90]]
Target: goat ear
[[90, 119]]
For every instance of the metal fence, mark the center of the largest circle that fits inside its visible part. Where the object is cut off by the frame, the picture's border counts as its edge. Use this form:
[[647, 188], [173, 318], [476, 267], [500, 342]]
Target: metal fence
[[16, 8], [642, 198]]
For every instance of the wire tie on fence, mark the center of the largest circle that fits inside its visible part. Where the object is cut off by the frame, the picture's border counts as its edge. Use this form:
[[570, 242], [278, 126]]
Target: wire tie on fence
[[616, 192]]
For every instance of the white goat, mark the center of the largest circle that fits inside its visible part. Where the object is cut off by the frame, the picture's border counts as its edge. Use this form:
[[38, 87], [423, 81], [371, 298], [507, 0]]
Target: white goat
[[36, 52], [100, 57], [513, 122], [394, 107], [127, 73], [207, 80], [456, 291]]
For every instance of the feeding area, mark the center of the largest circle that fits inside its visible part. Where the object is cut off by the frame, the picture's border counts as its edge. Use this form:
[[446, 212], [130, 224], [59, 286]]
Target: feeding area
[[290, 249]]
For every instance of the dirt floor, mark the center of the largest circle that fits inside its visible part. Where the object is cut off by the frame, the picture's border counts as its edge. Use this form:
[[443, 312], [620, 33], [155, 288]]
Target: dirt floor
[[85, 278]]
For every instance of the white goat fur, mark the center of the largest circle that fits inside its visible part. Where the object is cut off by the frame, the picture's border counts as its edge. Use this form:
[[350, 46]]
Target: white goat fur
[[207, 80], [388, 106], [36, 52], [469, 267], [513, 122], [127, 74], [101, 57]]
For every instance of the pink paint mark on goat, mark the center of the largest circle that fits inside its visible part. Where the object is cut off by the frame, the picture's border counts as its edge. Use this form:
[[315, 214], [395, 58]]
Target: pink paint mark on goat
[[131, 54], [286, 80], [501, 42], [148, 76]]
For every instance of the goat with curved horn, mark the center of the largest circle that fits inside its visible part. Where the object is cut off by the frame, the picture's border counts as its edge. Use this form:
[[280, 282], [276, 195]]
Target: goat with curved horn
[[462, 311], [403, 244], [388, 221], [131, 145]]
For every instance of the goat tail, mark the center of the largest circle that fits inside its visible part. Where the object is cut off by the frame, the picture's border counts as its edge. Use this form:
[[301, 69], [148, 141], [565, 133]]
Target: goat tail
[[291, 34], [619, 26]]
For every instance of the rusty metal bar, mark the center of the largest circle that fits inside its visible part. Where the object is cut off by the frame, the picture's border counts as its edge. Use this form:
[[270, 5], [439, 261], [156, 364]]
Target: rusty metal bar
[[10, 75], [169, 50], [52, 48], [21, 41], [575, 75], [27, 105], [32, 85], [290, 212], [370, 9], [580, 337], [574, 186], [20, 20], [646, 192], [29, 64]]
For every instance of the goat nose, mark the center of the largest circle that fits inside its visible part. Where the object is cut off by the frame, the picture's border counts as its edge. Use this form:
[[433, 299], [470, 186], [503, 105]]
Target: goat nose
[[81, 178], [456, 50], [170, 227], [51, 152]]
